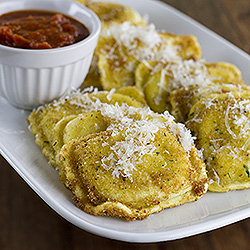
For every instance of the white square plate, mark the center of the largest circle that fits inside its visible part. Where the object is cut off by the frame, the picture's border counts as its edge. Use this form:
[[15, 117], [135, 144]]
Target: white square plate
[[212, 211]]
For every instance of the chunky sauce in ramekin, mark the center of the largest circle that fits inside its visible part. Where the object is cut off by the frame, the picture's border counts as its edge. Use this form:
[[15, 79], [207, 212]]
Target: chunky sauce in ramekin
[[35, 29]]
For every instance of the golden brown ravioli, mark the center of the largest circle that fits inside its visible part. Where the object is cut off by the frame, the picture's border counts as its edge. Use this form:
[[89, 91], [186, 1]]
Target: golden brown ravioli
[[47, 123], [179, 77], [223, 78], [141, 164], [110, 14], [121, 48], [113, 13], [221, 123], [117, 156]]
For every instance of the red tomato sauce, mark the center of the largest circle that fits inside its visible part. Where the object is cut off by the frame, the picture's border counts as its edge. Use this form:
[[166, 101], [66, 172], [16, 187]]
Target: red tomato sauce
[[32, 29]]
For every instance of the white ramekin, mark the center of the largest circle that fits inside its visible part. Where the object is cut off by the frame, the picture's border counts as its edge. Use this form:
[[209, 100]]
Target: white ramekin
[[31, 77]]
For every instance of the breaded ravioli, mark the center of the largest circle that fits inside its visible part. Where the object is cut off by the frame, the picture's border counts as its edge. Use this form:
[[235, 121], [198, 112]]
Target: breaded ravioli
[[221, 123], [117, 156], [223, 78], [158, 79], [48, 122], [141, 164], [110, 14], [122, 47], [113, 13]]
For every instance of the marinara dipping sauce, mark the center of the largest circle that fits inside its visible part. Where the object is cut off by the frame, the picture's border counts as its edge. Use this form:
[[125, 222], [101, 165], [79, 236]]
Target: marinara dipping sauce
[[33, 29]]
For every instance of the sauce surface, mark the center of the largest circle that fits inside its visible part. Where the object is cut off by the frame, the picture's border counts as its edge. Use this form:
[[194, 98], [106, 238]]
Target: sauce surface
[[33, 29]]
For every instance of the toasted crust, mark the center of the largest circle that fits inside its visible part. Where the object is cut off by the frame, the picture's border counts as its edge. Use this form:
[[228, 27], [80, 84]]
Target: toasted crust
[[109, 14], [48, 123], [117, 156], [113, 13], [160, 181], [117, 62], [176, 86], [225, 78], [221, 124]]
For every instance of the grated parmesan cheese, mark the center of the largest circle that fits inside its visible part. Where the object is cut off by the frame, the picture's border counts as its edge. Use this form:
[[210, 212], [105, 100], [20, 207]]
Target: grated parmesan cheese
[[178, 73], [140, 126], [111, 92], [235, 116], [238, 112], [143, 43], [127, 35]]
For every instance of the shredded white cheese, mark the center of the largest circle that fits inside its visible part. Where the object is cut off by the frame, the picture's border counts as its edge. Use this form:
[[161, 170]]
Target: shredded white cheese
[[234, 136], [184, 73], [239, 117], [127, 35], [143, 43], [139, 125]]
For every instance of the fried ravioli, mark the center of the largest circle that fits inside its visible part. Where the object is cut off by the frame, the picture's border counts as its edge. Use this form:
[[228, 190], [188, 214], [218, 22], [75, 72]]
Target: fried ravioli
[[113, 13], [117, 156], [141, 164], [157, 80], [182, 100], [48, 123], [223, 78], [109, 14], [121, 48], [221, 123]]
